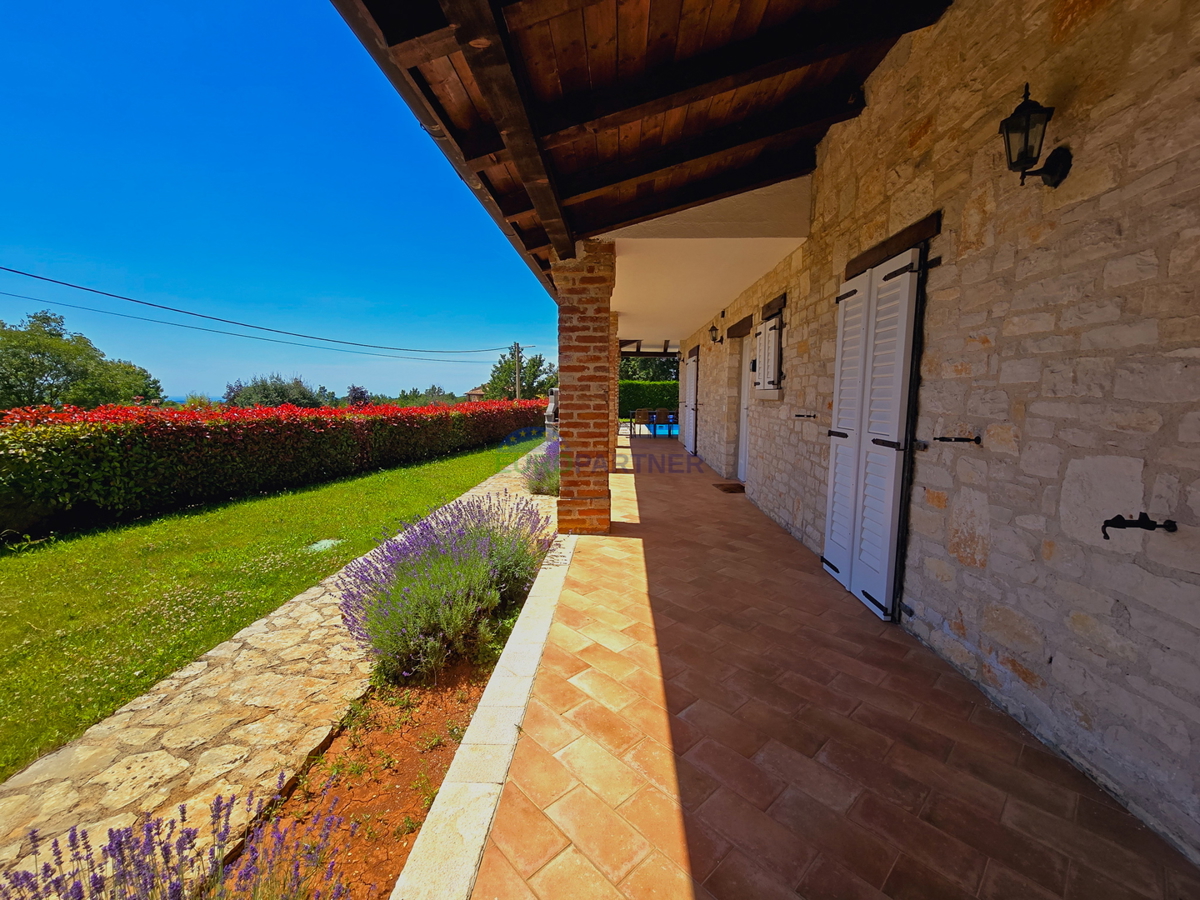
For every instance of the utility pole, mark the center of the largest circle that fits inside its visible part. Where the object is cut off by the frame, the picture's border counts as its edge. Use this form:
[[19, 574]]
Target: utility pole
[[516, 349]]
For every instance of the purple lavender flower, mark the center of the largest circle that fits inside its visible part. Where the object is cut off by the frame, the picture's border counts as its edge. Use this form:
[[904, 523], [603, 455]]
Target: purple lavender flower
[[429, 593]]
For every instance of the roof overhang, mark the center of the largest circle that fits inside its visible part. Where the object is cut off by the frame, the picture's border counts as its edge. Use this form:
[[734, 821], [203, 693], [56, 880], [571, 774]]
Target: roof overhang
[[570, 119]]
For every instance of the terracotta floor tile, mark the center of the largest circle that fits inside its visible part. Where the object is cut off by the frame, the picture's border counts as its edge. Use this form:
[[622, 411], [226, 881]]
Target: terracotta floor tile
[[526, 837], [688, 664], [539, 775], [547, 727], [610, 663], [871, 772], [924, 843], [1118, 863], [660, 820], [498, 880], [751, 684], [607, 840], [737, 773], [816, 780], [878, 695], [557, 660], [1014, 781], [721, 726], [649, 685], [757, 835], [818, 694], [928, 741], [603, 634], [852, 846], [737, 878], [826, 880], [599, 770], [570, 640], [909, 880], [657, 878], [607, 690], [1035, 861], [557, 694], [1002, 883], [572, 875], [615, 732], [849, 732]]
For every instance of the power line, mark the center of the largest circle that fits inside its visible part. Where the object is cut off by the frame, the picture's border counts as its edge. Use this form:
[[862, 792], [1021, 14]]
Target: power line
[[249, 337], [310, 337]]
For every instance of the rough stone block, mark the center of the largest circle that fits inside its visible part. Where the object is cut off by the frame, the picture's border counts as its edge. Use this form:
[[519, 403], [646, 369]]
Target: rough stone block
[[1096, 488]]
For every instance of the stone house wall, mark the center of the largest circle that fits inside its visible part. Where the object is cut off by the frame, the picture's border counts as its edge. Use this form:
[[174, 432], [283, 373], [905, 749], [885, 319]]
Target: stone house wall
[[1063, 326]]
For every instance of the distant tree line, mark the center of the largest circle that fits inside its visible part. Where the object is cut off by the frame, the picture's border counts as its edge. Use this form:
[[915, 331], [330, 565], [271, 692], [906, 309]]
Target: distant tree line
[[41, 362]]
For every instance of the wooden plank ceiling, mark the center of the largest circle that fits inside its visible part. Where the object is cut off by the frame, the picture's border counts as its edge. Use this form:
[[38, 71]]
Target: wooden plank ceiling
[[569, 118]]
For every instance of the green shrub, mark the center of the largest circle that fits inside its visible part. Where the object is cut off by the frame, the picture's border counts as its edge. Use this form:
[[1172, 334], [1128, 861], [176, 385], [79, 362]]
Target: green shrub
[[648, 395], [118, 460]]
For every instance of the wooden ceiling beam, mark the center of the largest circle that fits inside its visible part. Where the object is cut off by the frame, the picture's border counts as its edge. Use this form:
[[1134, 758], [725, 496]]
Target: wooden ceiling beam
[[483, 45], [793, 162], [487, 160], [514, 205], [800, 118], [425, 48], [799, 42]]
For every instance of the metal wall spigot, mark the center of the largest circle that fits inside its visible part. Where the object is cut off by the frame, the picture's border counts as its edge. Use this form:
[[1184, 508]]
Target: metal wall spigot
[[1142, 521]]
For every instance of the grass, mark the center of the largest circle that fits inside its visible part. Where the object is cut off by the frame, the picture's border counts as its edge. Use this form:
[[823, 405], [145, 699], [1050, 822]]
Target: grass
[[91, 621]]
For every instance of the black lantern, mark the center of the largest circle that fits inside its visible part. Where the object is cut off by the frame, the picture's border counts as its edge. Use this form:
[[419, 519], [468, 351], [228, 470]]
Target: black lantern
[[1023, 133], [713, 331]]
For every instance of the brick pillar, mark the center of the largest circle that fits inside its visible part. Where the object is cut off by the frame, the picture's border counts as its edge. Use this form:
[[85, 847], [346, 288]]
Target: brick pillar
[[614, 390], [585, 335]]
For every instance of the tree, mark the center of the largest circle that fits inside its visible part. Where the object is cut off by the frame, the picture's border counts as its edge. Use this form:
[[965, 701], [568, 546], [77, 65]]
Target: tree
[[41, 362], [649, 369], [537, 377], [431, 396], [274, 390], [357, 395]]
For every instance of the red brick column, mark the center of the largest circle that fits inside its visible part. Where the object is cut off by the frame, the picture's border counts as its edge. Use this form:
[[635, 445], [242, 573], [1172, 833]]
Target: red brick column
[[614, 390], [585, 286]]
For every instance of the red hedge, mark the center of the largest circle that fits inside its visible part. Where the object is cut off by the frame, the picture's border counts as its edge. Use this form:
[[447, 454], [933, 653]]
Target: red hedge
[[136, 459]]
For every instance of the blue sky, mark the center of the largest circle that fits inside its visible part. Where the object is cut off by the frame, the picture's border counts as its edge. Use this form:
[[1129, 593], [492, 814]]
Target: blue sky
[[246, 160]]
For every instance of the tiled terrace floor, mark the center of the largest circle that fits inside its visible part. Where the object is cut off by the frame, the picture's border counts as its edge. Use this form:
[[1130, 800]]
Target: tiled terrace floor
[[715, 717]]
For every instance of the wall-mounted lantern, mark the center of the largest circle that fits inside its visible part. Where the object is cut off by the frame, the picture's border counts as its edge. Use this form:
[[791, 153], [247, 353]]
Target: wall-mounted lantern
[[1023, 133], [713, 331]]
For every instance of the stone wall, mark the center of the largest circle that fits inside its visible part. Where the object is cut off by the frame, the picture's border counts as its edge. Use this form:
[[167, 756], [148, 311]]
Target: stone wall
[[1062, 326]]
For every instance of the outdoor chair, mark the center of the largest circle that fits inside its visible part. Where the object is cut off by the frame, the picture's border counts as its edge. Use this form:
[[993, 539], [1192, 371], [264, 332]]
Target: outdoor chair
[[639, 417], [662, 417]]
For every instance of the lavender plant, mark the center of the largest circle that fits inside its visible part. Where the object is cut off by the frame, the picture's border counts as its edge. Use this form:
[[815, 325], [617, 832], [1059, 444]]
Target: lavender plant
[[541, 470], [164, 860], [436, 590]]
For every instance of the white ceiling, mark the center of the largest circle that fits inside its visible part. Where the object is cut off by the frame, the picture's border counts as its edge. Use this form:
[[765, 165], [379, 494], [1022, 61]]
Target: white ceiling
[[677, 272]]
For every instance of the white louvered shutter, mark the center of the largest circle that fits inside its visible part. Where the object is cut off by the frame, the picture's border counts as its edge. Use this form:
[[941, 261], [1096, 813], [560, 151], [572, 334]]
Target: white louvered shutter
[[760, 359], [887, 368], [774, 347], [840, 518], [688, 425]]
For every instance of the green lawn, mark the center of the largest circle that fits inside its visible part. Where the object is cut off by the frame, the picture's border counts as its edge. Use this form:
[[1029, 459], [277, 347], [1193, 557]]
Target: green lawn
[[89, 622]]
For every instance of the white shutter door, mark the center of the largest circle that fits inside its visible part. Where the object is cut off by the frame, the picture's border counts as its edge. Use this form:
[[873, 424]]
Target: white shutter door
[[760, 359], [843, 436], [886, 373], [688, 425]]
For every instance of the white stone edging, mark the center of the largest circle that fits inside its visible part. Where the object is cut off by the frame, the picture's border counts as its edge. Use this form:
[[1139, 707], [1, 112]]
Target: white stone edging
[[449, 848]]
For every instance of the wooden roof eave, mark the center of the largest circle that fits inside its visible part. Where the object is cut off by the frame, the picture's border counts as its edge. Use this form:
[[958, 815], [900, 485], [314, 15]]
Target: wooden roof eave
[[361, 23]]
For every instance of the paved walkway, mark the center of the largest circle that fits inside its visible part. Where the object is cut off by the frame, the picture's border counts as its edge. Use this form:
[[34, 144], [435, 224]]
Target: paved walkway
[[253, 707], [715, 717]]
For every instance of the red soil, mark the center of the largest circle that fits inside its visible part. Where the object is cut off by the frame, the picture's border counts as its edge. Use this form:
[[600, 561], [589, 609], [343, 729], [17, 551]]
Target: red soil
[[384, 768]]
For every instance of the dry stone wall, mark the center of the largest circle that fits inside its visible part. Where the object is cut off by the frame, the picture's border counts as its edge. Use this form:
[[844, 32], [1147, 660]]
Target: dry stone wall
[[1063, 327]]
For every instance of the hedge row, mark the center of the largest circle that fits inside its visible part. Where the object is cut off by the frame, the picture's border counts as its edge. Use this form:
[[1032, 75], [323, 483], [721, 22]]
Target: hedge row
[[121, 460], [636, 395]]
